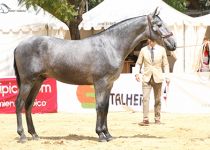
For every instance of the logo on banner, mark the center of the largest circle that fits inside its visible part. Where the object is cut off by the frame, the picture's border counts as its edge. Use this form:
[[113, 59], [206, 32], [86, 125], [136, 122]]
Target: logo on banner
[[86, 96], [46, 100], [9, 89], [126, 99]]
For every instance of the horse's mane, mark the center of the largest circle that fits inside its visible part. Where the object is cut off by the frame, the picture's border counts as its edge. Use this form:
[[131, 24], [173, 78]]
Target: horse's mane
[[112, 26], [124, 21]]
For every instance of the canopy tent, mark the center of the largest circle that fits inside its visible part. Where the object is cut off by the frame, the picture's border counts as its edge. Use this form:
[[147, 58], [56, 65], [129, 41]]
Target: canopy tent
[[103, 16], [205, 21], [189, 32], [18, 24]]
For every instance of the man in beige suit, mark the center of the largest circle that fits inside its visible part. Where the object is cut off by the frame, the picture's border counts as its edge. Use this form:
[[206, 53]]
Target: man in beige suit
[[154, 60]]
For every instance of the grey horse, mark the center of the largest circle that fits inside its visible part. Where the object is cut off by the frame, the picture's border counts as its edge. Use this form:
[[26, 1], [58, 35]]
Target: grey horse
[[97, 60]]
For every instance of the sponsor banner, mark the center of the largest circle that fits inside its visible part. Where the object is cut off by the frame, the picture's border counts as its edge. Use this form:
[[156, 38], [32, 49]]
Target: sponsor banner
[[187, 93], [45, 102], [126, 94]]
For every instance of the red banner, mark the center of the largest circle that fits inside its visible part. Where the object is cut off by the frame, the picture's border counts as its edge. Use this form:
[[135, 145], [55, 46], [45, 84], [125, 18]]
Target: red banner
[[45, 102]]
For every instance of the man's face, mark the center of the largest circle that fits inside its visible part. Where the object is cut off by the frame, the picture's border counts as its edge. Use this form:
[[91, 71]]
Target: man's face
[[151, 43]]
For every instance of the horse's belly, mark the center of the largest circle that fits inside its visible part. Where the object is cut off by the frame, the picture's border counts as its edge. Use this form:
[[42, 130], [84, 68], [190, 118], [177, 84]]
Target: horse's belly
[[75, 82], [75, 79]]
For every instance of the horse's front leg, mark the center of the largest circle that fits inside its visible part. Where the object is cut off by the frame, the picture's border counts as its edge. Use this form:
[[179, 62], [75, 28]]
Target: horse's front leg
[[104, 126], [102, 106]]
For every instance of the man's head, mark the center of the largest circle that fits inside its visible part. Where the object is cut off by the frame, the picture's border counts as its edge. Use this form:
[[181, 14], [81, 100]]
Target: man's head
[[151, 42]]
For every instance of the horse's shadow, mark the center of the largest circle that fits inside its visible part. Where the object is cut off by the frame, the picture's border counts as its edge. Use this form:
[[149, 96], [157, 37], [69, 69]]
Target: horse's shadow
[[142, 136], [73, 137]]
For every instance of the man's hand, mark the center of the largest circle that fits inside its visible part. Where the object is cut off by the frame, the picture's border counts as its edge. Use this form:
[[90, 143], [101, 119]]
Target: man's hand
[[167, 82], [138, 77]]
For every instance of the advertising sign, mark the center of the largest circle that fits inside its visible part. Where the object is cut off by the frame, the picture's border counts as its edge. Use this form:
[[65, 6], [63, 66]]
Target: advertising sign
[[46, 100]]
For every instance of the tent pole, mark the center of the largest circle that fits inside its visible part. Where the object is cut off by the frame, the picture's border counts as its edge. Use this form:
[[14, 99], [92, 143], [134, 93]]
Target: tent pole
[[47, 29], [184, 47]]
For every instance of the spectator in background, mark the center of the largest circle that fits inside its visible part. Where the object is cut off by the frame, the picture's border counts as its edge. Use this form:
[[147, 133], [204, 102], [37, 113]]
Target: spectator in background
[[204, 56]]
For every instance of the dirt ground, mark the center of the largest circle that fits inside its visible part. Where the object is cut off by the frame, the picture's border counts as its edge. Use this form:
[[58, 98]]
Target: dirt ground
[[64, 131]]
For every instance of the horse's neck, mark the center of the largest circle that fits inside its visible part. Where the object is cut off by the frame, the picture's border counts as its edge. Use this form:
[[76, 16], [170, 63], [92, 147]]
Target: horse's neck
[[127, 35]]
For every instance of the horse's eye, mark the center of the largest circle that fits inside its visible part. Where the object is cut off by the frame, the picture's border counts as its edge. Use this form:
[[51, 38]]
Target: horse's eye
[[155, 28], [159, 24]]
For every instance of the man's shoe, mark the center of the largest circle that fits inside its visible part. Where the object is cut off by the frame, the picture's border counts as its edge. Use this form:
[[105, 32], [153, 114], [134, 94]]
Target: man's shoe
[[157, 121], [144, 123]]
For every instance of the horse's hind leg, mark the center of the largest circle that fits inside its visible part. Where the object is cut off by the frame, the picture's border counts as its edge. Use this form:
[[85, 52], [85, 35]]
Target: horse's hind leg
[[28, 106], [20, 102]]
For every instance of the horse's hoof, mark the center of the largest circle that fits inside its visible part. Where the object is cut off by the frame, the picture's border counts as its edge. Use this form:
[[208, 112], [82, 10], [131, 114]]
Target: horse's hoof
[[109, 137], [102, 138], [35, 137], [22, 139]]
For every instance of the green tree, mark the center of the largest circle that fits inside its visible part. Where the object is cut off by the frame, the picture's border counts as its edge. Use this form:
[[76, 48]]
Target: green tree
[[199, 4], [68, 11], [177, 4], [93, 3]]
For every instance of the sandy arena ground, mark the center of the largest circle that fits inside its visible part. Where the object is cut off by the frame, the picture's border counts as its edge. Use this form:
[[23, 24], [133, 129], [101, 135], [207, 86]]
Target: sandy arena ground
[[65, 131]]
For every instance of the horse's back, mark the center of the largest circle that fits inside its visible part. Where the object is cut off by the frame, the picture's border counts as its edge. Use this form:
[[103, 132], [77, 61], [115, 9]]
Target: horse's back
[[53, 57], [69, 61]]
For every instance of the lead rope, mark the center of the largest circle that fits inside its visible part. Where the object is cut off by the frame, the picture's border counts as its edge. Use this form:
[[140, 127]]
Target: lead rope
[[149, 23]]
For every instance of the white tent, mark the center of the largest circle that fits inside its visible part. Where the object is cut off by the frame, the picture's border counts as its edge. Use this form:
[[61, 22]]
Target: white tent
[[205, 21], [104, 15], [19, 24], [188, 31]]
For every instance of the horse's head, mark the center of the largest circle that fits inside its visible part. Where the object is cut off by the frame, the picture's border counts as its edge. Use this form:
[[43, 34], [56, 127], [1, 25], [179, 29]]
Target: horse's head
[[158, 31]]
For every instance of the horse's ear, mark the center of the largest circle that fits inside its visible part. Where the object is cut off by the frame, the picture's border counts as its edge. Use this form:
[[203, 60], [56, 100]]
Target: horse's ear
[[156, 12]]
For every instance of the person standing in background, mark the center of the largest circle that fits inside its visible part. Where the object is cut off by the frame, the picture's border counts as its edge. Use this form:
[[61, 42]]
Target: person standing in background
[[154, 59], [205, 56]]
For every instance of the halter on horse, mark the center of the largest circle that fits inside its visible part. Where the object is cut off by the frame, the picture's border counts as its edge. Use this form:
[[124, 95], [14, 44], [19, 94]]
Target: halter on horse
[[97, 60]]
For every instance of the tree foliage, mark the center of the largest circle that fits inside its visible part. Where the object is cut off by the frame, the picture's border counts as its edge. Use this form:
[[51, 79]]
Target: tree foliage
[[93, 3], [177, 4], [61, 9]]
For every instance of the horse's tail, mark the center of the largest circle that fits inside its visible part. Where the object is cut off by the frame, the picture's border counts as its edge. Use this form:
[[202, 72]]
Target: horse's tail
[[16, 71]]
